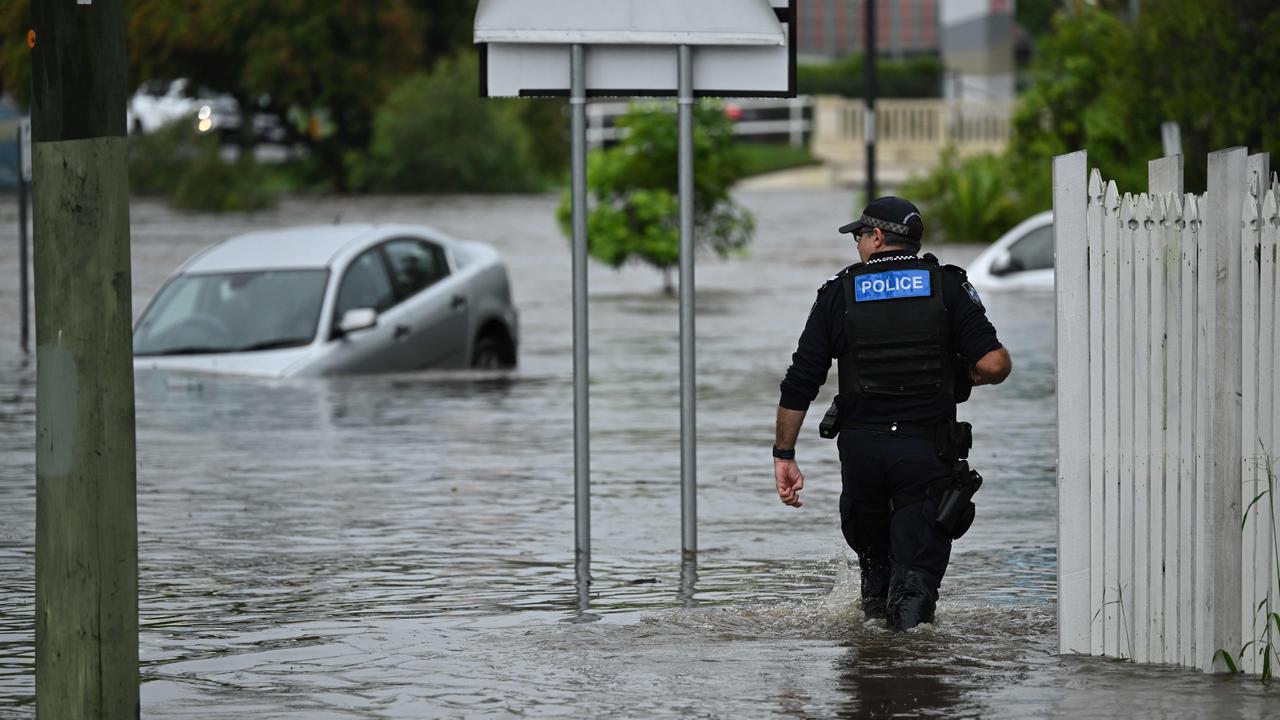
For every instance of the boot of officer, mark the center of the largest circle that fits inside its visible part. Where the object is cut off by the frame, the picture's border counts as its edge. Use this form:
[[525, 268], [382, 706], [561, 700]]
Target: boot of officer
[[867, 533], [909, 335]]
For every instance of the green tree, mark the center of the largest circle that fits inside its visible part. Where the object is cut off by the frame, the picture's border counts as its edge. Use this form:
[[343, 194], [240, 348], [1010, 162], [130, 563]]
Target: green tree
[[436, 134], [331, 59], [1214, 67], [633, 189], [1084, 93]]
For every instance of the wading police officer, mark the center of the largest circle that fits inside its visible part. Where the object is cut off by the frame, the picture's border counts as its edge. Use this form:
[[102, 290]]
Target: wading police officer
[[911, 338]]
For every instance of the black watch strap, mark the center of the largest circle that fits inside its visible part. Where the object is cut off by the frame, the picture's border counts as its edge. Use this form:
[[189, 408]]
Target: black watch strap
[[784, 454]]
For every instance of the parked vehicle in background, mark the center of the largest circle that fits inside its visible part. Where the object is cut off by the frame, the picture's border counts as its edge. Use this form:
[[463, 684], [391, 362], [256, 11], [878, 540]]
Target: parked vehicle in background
[[1022, 259], [337, 299], [157, 104]]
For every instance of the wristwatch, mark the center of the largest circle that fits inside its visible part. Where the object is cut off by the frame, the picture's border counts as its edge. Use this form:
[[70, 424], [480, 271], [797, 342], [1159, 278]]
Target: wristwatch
[[784, 454]]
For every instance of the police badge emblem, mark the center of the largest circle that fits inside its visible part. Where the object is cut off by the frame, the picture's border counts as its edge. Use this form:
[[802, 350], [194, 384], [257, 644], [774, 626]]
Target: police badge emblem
[[973, 295]]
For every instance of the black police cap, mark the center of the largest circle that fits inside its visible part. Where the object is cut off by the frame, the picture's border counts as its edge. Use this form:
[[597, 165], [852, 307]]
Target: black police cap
[[892, 215]]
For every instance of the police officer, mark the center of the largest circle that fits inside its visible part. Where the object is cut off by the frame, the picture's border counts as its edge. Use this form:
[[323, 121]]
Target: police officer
[[911, 337]]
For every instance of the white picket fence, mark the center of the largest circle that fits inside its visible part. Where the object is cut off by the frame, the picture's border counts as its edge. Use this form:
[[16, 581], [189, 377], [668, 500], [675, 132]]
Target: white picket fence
[[1167, 305]]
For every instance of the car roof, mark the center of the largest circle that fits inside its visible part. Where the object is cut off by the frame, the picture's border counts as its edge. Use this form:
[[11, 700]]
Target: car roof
[[293, 248]]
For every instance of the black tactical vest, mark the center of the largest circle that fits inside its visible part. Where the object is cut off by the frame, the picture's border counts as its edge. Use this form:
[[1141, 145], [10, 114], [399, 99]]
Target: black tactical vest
[[897, 332]]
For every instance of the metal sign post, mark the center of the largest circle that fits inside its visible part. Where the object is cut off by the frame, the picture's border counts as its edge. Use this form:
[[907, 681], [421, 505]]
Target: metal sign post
[[24, 177], [638, 48], [688, 387], [581, 399]]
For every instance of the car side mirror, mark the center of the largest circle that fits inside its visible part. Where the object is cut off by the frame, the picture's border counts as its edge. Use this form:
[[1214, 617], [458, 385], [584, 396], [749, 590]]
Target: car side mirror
[[356, 320], [1005, 264]]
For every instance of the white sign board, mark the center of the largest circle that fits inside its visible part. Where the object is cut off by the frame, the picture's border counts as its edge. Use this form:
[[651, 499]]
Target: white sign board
[[25, 144], [739, 64]]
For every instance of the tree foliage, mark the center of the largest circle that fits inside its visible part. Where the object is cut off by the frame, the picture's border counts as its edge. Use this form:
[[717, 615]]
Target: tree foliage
[[967, 200], [633, 190], [335, 59], [436, 134]]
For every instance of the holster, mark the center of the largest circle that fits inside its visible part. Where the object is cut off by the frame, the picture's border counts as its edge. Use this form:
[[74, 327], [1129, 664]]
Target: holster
[[829, 428], [954, 440], [956, 510], [955, 506]]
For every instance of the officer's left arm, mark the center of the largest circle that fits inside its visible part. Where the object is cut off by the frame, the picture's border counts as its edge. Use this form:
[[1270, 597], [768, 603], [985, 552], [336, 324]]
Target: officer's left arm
[[973, 334], [993, 368]]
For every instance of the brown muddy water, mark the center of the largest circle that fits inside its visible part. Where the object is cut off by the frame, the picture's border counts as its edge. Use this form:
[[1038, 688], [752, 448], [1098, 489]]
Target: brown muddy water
[[402, 546]]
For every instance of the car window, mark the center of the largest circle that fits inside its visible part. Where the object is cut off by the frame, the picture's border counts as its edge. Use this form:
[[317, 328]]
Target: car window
[[232, 312], [365, 285], [415, 264], [1034, 251]]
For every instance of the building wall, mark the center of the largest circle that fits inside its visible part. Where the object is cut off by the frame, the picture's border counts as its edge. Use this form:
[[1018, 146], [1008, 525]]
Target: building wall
[[831, 29]]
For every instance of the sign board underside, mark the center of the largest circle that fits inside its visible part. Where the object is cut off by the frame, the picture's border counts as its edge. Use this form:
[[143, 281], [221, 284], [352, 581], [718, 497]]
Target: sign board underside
[[637, 70]]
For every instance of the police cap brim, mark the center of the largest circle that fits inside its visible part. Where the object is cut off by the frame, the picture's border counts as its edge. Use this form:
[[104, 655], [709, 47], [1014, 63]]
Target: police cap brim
[[854, 227]]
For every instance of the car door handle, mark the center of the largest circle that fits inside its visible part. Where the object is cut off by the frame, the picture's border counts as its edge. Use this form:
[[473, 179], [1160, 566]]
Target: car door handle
[[401, 331], [457, 302]]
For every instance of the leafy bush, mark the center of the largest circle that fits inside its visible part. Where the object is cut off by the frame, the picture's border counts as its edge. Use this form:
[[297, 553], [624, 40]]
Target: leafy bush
[[434, 133], [189, 170], [914, 77], [633, 189], [971, 200], [159, 159], [216, 185]]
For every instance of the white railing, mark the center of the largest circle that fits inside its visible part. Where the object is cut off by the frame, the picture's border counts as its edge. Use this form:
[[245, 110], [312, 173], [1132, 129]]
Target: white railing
[[909, 132], [1167, 350], [796, 126]]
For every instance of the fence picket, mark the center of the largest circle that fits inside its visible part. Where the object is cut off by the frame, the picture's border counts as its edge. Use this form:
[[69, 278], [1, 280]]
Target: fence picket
[[1141, 594], [1173, 424], [1097, 462], [1269, 359], [1164, 179], [1222, 506], [1156, 427], [1249, 288], [1071, 281], [1192, 353], [1111, 393], [1125, 591]]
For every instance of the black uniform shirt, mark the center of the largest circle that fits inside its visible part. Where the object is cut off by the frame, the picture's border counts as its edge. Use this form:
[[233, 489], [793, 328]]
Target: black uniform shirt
[[823, 340]]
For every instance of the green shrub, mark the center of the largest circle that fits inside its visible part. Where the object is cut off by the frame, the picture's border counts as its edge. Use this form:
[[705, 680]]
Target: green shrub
[[971, 200], [761, 158], [212, 184], [633, 188], [188, 169], [158, 160], [434, 133]]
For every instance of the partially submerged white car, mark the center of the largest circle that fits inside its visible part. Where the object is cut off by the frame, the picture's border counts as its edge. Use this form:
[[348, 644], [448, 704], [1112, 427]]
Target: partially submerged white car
[[332, 299], [1022, 259]]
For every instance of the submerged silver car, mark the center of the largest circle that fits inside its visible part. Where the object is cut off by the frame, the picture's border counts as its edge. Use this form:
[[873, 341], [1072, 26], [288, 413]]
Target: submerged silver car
[[332, 299]]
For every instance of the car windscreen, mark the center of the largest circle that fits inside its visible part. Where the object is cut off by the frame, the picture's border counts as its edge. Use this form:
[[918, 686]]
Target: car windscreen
[[232, 312]]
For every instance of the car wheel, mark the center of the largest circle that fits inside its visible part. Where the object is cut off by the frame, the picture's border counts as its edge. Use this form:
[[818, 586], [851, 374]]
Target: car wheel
[[488, 354]]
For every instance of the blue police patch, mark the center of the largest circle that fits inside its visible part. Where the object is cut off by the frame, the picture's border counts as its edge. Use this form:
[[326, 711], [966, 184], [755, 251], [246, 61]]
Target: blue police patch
[[973, 295], [892, 285]]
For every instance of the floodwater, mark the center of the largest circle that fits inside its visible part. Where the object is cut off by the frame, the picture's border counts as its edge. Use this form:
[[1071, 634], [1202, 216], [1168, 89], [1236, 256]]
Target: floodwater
[[402, 546]]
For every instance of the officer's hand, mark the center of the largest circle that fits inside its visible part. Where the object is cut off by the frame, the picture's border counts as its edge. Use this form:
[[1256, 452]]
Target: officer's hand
[[790, 481]]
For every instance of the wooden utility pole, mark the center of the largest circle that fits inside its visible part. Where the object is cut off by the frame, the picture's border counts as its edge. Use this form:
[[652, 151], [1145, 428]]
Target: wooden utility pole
[[86, 507]]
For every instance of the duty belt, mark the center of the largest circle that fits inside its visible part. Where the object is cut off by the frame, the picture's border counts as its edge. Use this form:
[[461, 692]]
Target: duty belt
[[911, 430]]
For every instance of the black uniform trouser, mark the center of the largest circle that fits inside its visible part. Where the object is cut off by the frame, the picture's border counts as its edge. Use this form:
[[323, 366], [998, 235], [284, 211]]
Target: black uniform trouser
[[902, 552]]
